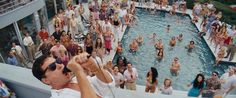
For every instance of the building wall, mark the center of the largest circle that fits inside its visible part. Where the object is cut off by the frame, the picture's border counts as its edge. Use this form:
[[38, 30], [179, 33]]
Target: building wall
[[25, 18], [20, 12]]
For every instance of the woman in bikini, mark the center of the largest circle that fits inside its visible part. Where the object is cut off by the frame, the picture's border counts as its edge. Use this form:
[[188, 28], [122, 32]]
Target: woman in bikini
[[108, 36], [151, 80]]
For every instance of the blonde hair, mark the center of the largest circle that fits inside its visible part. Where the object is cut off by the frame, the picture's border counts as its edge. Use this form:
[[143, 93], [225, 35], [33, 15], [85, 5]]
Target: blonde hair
[[166, 79]]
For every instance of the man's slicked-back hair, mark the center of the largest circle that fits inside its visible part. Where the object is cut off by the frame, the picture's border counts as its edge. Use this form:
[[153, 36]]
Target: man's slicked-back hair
[[36, 69]]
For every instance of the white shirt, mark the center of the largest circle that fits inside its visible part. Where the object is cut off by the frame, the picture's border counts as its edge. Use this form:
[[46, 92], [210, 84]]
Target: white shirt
[[27, 41], [102, 89], [231, 32], [118, 77], [106, 25], [225, 76], [17, 49], [229, 81], [122, 13], [69, 13], [167, 91], [65, 93], [127, 74]]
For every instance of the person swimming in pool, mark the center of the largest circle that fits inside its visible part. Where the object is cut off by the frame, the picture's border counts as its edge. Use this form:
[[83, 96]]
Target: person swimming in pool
[[180, 37], [175, 67], [133, 46], [190, 46], [139, 40], [159, 45], [168, 29], [160, 55], [172, 41], [153, 37]]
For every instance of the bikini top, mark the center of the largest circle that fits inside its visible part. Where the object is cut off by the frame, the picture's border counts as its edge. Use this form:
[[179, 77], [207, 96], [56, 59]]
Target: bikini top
[[116, 22]]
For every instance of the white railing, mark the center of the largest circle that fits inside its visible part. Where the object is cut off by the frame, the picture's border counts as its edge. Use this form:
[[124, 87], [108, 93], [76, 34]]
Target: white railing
[[8, 5], [25, 85]]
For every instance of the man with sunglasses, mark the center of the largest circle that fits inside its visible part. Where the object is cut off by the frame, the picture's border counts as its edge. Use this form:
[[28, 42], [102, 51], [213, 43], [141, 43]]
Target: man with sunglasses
[[212, 85], [51, 72]]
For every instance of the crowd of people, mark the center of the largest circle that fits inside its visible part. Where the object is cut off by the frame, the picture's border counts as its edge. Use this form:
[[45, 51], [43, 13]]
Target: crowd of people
[[63, 57], [62, 54], [221, 35]]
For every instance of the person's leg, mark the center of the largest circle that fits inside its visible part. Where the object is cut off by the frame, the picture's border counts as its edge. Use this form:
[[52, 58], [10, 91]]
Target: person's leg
[[133, 86], [116, 31], [77, 30], [68, 24], [147, 89], [228, 52], [21, 60], [33, 51], [127, 86], [231, 57], [216, 46], [153, 89], [73, 32], [18, 59], [30, 53]]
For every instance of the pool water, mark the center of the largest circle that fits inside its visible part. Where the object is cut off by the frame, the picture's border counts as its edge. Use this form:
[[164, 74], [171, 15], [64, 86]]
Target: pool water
[[200, 60]]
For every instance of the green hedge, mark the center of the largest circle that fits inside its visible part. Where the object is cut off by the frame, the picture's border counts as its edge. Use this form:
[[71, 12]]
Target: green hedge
[[190, 4], [229, 16], [227, 2]]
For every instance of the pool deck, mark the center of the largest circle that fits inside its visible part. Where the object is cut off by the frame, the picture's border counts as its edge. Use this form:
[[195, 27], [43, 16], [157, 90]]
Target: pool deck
[[188, 12]]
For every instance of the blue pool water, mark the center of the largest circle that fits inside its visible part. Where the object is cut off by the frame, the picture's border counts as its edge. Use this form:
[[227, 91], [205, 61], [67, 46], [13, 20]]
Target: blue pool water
[[200, 60]]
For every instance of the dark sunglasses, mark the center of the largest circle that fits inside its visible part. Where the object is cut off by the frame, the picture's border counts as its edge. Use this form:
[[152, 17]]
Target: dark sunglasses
[[52, 66], [214, 74]]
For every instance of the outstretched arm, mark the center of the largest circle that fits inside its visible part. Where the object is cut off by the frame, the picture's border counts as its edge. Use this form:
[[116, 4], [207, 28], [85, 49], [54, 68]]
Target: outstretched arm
[[84, 84], [93, 66]]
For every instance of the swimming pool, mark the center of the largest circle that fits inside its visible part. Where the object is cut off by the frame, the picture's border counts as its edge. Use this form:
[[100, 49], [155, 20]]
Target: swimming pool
[[199, 60]]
